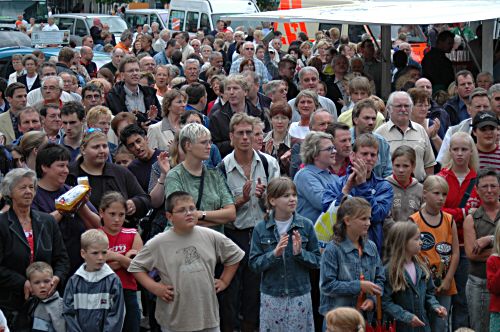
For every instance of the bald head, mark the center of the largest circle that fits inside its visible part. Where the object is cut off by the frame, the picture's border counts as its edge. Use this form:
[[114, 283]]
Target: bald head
[[97, 21], [424, 84]]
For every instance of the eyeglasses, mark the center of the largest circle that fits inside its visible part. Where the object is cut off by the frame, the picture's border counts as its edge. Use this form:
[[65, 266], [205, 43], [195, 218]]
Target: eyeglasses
[[186, 211], [89, 97], [249, 48], [331, 149]]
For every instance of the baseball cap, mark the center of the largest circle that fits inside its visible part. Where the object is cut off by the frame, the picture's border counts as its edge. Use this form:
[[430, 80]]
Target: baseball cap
[[483, 119], [290, 58]]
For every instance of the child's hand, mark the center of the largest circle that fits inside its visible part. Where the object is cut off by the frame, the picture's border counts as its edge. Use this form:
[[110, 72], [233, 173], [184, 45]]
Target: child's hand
[[27, 289], [55, 282], [297, 243], [367, 305], [164, 292], [278, 251], [441, 311], [220, 285], [415, 322], [370, 288]]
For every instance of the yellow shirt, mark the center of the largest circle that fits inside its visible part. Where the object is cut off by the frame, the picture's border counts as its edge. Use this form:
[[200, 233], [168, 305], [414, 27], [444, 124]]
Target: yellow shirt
[[346, 118]]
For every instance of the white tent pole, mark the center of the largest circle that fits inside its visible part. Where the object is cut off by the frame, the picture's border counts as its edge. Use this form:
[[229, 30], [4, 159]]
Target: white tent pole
[[487, 40]]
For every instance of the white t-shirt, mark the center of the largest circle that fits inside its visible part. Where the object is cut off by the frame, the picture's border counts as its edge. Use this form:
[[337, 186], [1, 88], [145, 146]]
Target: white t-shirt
[[297, 131], [284, 225], [52, 27]]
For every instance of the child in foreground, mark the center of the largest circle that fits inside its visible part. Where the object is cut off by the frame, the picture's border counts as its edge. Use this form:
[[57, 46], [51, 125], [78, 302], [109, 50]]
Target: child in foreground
[[344, 319], [185, 257], [284, 249], [408, 288], [48, 313], [93, 299]]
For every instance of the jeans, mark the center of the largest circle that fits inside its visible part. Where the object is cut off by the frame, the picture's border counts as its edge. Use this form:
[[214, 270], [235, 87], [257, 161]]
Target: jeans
[[478, 300], [132, 314], [460, 311], [438, 323]]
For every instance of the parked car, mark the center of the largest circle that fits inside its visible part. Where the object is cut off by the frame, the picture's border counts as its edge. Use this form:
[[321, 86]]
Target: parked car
[[134, 17], [79, 24], [10, 37], [6, 54]]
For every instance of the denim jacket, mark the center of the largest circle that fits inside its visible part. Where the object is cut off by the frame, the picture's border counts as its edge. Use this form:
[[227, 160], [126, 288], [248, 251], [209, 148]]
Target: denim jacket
[[287, 275], [340, 272], [416, 300]]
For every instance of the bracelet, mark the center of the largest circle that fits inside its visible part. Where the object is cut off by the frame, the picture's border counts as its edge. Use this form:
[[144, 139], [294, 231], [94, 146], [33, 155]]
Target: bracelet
[[159, 182]]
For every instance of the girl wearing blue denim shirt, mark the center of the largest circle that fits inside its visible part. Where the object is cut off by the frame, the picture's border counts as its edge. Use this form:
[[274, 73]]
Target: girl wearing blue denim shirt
[[408, 289], [351, 273], [284, 248]]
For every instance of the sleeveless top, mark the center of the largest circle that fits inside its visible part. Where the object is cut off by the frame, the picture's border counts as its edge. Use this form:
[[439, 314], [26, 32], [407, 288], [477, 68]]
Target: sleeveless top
[[483, 226], [121, 243], [437, 246]]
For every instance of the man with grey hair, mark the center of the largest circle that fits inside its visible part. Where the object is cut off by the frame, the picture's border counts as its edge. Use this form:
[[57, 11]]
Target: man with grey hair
[[494, 94], [400, 130], [147, 64], [48, 69], [116, 57], [478, 101], [125, 41], [309, 79], [161, 43], [257, 99], [216, 60], [248, 52], [192, 73], [276, 90], [52, 88], [236, 88]]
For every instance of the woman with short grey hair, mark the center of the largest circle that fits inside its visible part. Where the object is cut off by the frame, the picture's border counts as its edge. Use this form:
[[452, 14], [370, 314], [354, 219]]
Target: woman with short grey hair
[[306, 103], [318, 154], [26, 236], [206, 185]]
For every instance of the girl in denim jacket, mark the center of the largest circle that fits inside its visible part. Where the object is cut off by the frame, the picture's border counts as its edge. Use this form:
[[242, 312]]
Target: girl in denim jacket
[[408, 289], [284, 248], [351, 273]]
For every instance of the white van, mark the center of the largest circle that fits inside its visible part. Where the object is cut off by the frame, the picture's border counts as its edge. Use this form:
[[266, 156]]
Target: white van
[[190, 15], [135, 17]]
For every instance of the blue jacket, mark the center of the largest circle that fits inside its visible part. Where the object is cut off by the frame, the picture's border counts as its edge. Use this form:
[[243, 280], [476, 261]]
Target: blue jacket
[[287, 275], [416, 300], [383, 168], [340, 272], [456, 109], [377, 191], [93, 301]]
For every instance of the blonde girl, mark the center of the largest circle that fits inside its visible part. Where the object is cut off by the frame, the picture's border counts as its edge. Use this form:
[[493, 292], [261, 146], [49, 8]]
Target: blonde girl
[[493, 281], [408, 288], [440, 249], [351, 273], [124, 243], [284, 249], [344, 319]]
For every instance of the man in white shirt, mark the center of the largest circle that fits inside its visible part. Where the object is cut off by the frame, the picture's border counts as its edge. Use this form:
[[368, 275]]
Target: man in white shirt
[[35, 96], [50, 26]]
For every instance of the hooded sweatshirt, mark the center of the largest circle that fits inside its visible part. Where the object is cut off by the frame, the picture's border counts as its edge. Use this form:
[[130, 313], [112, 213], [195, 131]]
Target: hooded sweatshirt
[[406, 201], [93, 301]]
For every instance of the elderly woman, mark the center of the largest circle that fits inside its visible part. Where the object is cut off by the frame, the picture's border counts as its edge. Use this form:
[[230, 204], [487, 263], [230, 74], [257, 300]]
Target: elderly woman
[[31, 78], [421, 105], [318, 154], [161, 134], [306, 103], [104, 176], [52, 170], [26, 236], [214, 202], [277, 142]]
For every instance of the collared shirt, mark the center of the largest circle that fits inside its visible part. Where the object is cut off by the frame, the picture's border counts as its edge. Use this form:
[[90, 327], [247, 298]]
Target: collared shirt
[[74, 152], [311, 181], [415, 137], [249, 214], [134, 100], [260, 69]]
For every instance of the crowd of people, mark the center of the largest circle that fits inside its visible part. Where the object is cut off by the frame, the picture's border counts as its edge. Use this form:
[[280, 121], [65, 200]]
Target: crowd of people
[[209, 160]]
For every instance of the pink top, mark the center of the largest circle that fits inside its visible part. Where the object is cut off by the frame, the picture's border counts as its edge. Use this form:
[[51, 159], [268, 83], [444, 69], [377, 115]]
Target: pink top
[[412, 271]]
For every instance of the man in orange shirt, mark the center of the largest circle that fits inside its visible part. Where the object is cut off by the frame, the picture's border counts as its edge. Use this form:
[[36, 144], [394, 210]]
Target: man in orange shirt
[[125, 41]]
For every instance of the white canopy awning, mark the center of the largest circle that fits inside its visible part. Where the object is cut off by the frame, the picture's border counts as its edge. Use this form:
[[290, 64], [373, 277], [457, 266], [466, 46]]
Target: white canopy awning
[[385, 12]]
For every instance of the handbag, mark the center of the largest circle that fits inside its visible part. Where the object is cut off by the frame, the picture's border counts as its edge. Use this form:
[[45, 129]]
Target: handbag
[[324, 225]]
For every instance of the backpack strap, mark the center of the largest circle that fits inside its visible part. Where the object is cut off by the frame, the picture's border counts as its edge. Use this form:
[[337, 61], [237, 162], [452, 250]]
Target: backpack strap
[[467, 193], [265, 164]]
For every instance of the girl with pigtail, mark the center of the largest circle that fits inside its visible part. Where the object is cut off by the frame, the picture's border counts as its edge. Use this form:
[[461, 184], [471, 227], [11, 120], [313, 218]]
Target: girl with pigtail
[[351, 272]]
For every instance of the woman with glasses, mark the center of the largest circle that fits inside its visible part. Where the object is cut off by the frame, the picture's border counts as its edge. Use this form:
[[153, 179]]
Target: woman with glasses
[[421, 106], [214, 202], [104, 176], [318, 154], [277, 142]]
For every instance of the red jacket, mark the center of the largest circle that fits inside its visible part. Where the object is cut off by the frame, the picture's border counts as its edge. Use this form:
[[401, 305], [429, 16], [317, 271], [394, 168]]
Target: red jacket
[[454, 198], [493, 282]]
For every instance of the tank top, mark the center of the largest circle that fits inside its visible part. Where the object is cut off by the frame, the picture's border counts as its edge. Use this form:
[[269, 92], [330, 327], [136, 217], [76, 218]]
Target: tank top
[[121, 243], [437, 246], [483, 226]]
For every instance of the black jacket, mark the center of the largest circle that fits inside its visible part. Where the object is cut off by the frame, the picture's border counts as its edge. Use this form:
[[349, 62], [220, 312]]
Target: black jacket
[[15, 254], [114, 178], [219, 125], [37, 84], [116, 98]]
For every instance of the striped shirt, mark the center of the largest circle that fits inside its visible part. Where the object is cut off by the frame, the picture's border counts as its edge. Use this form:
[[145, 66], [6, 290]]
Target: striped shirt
[[490, 159]]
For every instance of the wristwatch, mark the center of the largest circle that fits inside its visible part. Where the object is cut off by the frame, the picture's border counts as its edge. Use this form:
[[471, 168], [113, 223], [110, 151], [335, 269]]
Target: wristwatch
[[203, 215]]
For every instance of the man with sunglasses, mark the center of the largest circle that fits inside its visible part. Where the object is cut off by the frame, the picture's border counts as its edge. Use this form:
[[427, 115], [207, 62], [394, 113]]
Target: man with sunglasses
[[248, 52]]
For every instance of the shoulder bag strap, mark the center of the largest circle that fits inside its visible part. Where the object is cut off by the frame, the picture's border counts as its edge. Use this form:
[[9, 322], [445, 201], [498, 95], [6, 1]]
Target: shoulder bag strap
[[200, 191], [467, 193]]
